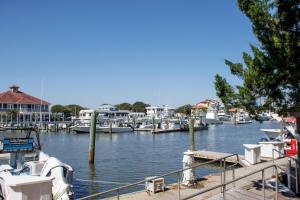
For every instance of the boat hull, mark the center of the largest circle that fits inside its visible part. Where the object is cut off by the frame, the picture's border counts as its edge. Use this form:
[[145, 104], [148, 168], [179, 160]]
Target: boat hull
[[86, 129], [213, 121], [272, 133]]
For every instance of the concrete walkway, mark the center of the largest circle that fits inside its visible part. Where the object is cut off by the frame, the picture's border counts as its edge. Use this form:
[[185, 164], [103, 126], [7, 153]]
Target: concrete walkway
[[172, 192]]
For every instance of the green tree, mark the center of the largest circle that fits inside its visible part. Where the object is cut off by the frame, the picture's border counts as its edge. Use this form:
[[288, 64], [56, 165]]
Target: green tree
[[225, 92], [124, 106], [185, 109], [139, 106], [58, 110], [12, 114], [74, 109], [271, 71]]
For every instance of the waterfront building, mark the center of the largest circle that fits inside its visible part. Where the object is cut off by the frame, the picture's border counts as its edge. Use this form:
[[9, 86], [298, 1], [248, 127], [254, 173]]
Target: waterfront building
[[205, 106], [25, 107], [200, 108], [163, 111]]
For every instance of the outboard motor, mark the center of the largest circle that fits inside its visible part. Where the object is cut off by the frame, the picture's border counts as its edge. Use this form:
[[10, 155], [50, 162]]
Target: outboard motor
[[62, 175]]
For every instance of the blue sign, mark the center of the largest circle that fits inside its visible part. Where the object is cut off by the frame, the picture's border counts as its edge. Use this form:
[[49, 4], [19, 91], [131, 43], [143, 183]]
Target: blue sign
[[17, 144]]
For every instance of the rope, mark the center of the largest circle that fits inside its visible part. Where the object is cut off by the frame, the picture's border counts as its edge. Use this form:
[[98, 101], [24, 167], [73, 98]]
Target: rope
[[106, 182]]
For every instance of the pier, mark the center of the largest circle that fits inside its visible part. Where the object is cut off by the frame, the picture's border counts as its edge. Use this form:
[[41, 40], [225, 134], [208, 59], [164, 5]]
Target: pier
[[246, 188], [157, 131], [212, 155]]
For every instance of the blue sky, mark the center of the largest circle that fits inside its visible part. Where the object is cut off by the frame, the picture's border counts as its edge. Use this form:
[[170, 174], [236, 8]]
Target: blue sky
[[94, 52]]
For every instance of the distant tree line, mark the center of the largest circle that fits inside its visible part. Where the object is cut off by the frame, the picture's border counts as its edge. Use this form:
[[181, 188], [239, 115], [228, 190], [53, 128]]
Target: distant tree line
[[141, 107], [66, 111], [185, 109], [138, 106]]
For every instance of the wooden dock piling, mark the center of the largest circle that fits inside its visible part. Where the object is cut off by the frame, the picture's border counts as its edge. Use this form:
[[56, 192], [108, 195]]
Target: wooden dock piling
[[191, 135], [153, 124], [92, 139]]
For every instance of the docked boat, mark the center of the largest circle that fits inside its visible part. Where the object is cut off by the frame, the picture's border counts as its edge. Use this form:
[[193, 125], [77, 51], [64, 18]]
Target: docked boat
[[26, 172], [116, 129], [263, 117], [85, 128], [224, 117], [212, 117], [243, 117], [170, 125], [104, 123], [272, 133]]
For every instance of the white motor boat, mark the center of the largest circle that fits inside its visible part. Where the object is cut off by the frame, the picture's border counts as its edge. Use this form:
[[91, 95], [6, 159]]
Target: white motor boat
[[272, 133], [170, 125], [116, 129], [243, 117], [85, 128], [28, 173]]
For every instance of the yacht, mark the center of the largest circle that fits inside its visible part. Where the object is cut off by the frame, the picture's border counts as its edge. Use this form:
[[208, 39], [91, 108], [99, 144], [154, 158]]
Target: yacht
[[105, 124], [224, 117], [114, 128], [272, 133], [212, 117], [26, 172], [200, 124], [243, 117]]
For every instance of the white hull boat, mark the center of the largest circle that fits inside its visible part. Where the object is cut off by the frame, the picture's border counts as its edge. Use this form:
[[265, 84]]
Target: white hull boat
[[116, 129], [28, 173], [102, 129], [272, 133], [244, 122], [213, 121], [84, 129]]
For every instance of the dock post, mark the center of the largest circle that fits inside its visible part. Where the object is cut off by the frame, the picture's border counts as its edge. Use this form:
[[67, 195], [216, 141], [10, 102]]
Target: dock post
[[153, 124], [110, 127], [191, 135], [92, 138]]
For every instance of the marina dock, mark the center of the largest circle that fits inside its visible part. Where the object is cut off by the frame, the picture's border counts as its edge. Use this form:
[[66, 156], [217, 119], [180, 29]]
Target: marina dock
[[247, 188], [157, 131], [212, 155]]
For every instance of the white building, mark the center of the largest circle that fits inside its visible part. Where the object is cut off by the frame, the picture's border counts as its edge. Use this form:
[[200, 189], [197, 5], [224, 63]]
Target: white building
[[26, 107]]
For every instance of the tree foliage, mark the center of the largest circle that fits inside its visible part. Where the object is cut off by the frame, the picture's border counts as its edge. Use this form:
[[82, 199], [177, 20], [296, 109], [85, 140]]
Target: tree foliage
[[12, 114], [124, 106], [74, 109], [272, 69], [139, 106], [58, 109], [185, 109]]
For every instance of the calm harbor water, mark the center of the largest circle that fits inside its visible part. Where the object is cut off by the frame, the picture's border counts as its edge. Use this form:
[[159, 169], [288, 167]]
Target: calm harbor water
[[130, 157]]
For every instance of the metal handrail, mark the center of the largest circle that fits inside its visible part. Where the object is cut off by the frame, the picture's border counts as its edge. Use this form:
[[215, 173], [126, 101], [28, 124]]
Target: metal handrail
[[288, 173], [285, 156], [178, 172], [239, 178]]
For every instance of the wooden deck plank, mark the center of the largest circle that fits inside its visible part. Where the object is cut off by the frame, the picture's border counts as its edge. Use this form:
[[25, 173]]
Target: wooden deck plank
[[211, 155]]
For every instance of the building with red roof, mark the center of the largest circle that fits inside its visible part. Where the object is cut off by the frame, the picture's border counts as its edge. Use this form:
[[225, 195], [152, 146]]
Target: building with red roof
[[201, 107], [26, 107]]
